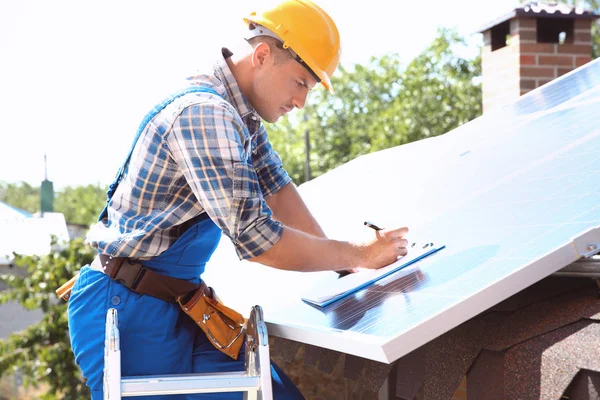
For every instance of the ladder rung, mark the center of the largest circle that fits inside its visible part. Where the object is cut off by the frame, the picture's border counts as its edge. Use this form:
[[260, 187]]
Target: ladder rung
[[189, 383]]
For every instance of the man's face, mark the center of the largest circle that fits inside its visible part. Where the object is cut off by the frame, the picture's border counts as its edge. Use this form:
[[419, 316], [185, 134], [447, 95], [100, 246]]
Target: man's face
[[278, 88]]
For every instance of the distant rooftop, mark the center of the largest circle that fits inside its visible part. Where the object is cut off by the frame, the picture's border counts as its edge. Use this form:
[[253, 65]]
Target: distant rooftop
[[545, 10], [8, 212]]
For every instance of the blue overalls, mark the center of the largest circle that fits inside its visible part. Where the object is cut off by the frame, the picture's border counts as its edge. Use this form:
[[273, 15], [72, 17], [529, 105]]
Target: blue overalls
[[157, 337]]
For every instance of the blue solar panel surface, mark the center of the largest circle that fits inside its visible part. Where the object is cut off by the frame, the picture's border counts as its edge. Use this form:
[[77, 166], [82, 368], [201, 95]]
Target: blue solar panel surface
[[507, 193]]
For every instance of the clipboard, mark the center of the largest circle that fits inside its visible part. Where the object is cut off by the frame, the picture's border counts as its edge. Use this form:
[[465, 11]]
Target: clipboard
[[325, 294]]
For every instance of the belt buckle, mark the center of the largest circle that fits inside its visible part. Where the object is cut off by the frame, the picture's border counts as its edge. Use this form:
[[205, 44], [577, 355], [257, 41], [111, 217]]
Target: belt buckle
[[132, 274]]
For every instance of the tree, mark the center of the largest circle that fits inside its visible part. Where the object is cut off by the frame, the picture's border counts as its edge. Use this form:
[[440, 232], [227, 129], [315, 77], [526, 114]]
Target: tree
[[42, 353], [81, 204], [21, 195], [595, 5], [382, 105]]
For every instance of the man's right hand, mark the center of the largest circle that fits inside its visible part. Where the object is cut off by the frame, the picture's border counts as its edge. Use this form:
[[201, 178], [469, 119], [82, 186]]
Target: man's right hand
[[299, 251], [387, 246]]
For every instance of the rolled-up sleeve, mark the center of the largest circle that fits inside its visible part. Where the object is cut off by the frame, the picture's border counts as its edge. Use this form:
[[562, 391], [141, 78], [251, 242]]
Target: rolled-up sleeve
[[269, 167], [211, 146]]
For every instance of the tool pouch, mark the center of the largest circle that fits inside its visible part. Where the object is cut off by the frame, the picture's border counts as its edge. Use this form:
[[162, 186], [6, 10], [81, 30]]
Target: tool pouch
[[223, 326]]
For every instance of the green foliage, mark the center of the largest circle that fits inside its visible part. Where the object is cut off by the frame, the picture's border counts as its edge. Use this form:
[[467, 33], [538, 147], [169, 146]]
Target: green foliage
[[21, 195], [382, 105], [288, 141], [79, 204], [42, 353], [594, 5]]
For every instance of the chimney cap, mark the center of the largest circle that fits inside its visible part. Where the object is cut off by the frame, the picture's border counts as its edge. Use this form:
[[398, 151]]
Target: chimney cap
[[544, 10]]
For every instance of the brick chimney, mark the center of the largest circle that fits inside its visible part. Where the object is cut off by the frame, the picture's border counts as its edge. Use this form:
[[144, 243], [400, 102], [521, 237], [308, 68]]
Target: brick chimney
[[530, 46]]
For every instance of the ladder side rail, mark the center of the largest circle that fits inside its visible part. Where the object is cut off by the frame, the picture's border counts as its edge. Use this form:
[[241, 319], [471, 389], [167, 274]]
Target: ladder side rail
[[112, 357], [262, 360]]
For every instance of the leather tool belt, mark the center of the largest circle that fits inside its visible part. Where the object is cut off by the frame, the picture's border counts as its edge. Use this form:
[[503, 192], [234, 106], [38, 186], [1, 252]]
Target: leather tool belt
[[141, 279], [223, 326]]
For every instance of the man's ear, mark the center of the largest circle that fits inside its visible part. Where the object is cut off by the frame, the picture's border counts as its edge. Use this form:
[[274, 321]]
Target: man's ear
[[261, 54]]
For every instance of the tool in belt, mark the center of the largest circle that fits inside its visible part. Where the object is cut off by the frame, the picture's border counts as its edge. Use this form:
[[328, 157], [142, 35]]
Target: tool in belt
[[223, 326]]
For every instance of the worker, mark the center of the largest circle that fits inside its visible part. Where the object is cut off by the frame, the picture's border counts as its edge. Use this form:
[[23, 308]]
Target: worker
[[202, 166]]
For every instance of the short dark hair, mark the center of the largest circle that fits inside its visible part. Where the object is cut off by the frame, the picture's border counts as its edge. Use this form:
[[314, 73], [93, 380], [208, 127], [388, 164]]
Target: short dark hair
[[281, 55]]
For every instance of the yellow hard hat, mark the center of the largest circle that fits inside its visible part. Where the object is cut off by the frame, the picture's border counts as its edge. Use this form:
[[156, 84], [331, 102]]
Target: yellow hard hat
[[307, 30]]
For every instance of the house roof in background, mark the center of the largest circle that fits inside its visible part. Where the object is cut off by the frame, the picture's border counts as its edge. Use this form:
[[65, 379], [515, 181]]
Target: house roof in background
[[10, 212], [533, 345], [544, 10]]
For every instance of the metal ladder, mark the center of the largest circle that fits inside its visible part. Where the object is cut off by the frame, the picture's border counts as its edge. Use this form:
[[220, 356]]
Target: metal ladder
[[254, 381]]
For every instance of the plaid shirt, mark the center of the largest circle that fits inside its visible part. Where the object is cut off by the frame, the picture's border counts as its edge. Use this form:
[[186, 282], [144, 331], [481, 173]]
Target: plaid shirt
[[201, 153]]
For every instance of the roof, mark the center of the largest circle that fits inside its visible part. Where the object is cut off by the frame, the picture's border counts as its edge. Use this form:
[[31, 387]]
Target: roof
[[544, 10], [541, 343], [27, 234], [8, 212]]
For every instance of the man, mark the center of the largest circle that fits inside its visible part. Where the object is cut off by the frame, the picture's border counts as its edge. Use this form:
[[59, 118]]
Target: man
[[202, 166]]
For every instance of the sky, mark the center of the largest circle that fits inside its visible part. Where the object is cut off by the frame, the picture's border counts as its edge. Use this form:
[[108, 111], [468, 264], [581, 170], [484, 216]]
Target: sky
[[77, 77]]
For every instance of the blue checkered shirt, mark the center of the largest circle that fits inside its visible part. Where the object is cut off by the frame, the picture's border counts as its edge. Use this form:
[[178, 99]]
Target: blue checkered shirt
[[200, 154]]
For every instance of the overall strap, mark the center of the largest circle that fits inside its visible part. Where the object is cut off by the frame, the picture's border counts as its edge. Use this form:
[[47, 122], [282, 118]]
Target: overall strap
[[113, 186]]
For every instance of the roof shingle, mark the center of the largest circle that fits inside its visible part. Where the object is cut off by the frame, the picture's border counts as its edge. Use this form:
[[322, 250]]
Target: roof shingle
[[543, 342]]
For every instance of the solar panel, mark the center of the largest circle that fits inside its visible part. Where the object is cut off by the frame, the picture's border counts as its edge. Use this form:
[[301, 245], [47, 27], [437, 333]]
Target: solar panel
[[513, 195]]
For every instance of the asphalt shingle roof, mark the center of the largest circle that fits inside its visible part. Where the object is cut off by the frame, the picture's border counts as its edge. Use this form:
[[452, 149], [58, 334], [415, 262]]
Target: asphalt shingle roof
[[541, 343]]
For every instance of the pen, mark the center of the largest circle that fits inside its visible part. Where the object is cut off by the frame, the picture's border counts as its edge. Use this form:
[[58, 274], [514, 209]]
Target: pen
[[372, 226], [422, 245]]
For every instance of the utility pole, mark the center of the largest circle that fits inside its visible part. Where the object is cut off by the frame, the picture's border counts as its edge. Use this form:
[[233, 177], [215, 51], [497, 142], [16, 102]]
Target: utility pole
[[307, 176]]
